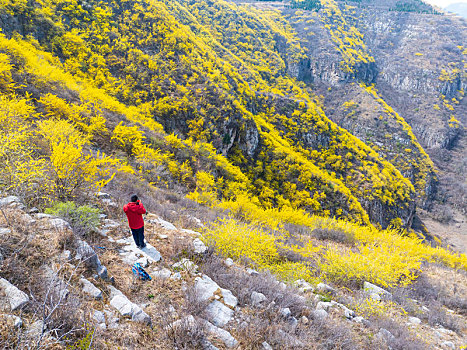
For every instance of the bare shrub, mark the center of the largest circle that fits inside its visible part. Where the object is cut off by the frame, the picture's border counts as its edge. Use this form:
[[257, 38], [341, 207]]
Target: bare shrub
[[332, 235], [402, 339], [242, 285], [192, 305], [330, 335], [430, 292], [437, 315], [442, 213], [180, 330]]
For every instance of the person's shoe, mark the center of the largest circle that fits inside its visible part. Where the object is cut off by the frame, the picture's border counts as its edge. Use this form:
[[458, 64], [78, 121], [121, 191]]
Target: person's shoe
[[143, 246]]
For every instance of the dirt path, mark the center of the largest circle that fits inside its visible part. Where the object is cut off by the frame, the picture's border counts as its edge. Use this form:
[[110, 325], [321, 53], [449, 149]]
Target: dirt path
[[454, 233]]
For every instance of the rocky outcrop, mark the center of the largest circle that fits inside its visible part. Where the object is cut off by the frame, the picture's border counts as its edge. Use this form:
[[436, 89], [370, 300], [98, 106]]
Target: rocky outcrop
[[13, 298], [85, 253], [126, 308]]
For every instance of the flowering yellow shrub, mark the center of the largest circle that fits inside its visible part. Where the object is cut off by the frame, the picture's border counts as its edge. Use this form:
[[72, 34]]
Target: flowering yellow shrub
[[377, 264], [21, 172], [73, 168], [243, 242], [369, 307]]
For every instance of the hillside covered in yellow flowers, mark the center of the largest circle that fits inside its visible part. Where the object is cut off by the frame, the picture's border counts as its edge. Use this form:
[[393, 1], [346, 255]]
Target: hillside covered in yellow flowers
[[311, 135], [159, 84]]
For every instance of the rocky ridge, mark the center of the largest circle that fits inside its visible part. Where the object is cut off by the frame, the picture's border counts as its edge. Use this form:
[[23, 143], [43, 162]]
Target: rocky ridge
[[218, 318]]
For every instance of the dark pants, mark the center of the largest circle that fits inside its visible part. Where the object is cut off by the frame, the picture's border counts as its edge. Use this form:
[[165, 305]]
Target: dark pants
[[138, 236]]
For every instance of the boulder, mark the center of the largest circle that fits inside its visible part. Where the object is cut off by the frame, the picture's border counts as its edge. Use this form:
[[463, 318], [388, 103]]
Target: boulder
[[14, 321], [187, 322], [207, 345], [266, 346], [370, 288], [319, 314], [130, 252], [448, 345], [228, 298], [59, 224], [90, 289], [221, 334], [85, 252], [162, 273], [33, 210], [205, 288], [347, 312], [384, 334], [252, 272], [324, 288], [14, 297], [143, 261], [285, 312], [257, 299], [11, 201], [199, 246], [358, 319], [99, 317], [176, 276], [153, 219], [103, 195], [4, 231], [304, 286], [228, 262], [218, 313], [414, 320], [324, 305], [186, 265], [35, 329], [66, 255], [102, 272], [126, 308]]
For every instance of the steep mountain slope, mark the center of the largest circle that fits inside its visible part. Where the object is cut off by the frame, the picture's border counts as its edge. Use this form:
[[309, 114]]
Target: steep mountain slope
[[416, 63], [169, 65], [282, 156]]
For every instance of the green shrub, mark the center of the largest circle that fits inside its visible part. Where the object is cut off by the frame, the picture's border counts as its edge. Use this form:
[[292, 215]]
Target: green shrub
[[82, 218]]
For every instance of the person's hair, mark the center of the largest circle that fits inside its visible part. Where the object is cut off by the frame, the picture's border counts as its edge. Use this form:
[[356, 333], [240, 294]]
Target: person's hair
[[134, 198]]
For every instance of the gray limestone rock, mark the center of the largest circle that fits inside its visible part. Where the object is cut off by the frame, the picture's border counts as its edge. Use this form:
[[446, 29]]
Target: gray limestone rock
[[11, 201], [414, 320], [59, 224], [384, 334], [90, 289], [14, 297], [219, 314], [162, 273], [199, 246], [370, 288], [319, 314], [285, 312], [126, 308], [4, 231], [14, 321], [221, 334], [324, 288], [304, 286], [257, 299], [98, 316]]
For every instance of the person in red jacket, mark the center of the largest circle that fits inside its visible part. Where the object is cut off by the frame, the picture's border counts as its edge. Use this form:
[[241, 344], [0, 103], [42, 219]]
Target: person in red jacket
[[134, 212]]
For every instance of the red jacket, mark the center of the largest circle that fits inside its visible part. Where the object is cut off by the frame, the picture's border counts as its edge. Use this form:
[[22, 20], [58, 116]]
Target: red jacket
[[134, 212]]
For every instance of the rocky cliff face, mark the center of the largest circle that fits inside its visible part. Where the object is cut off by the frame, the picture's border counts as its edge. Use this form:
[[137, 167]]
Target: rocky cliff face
[[418, 71]]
